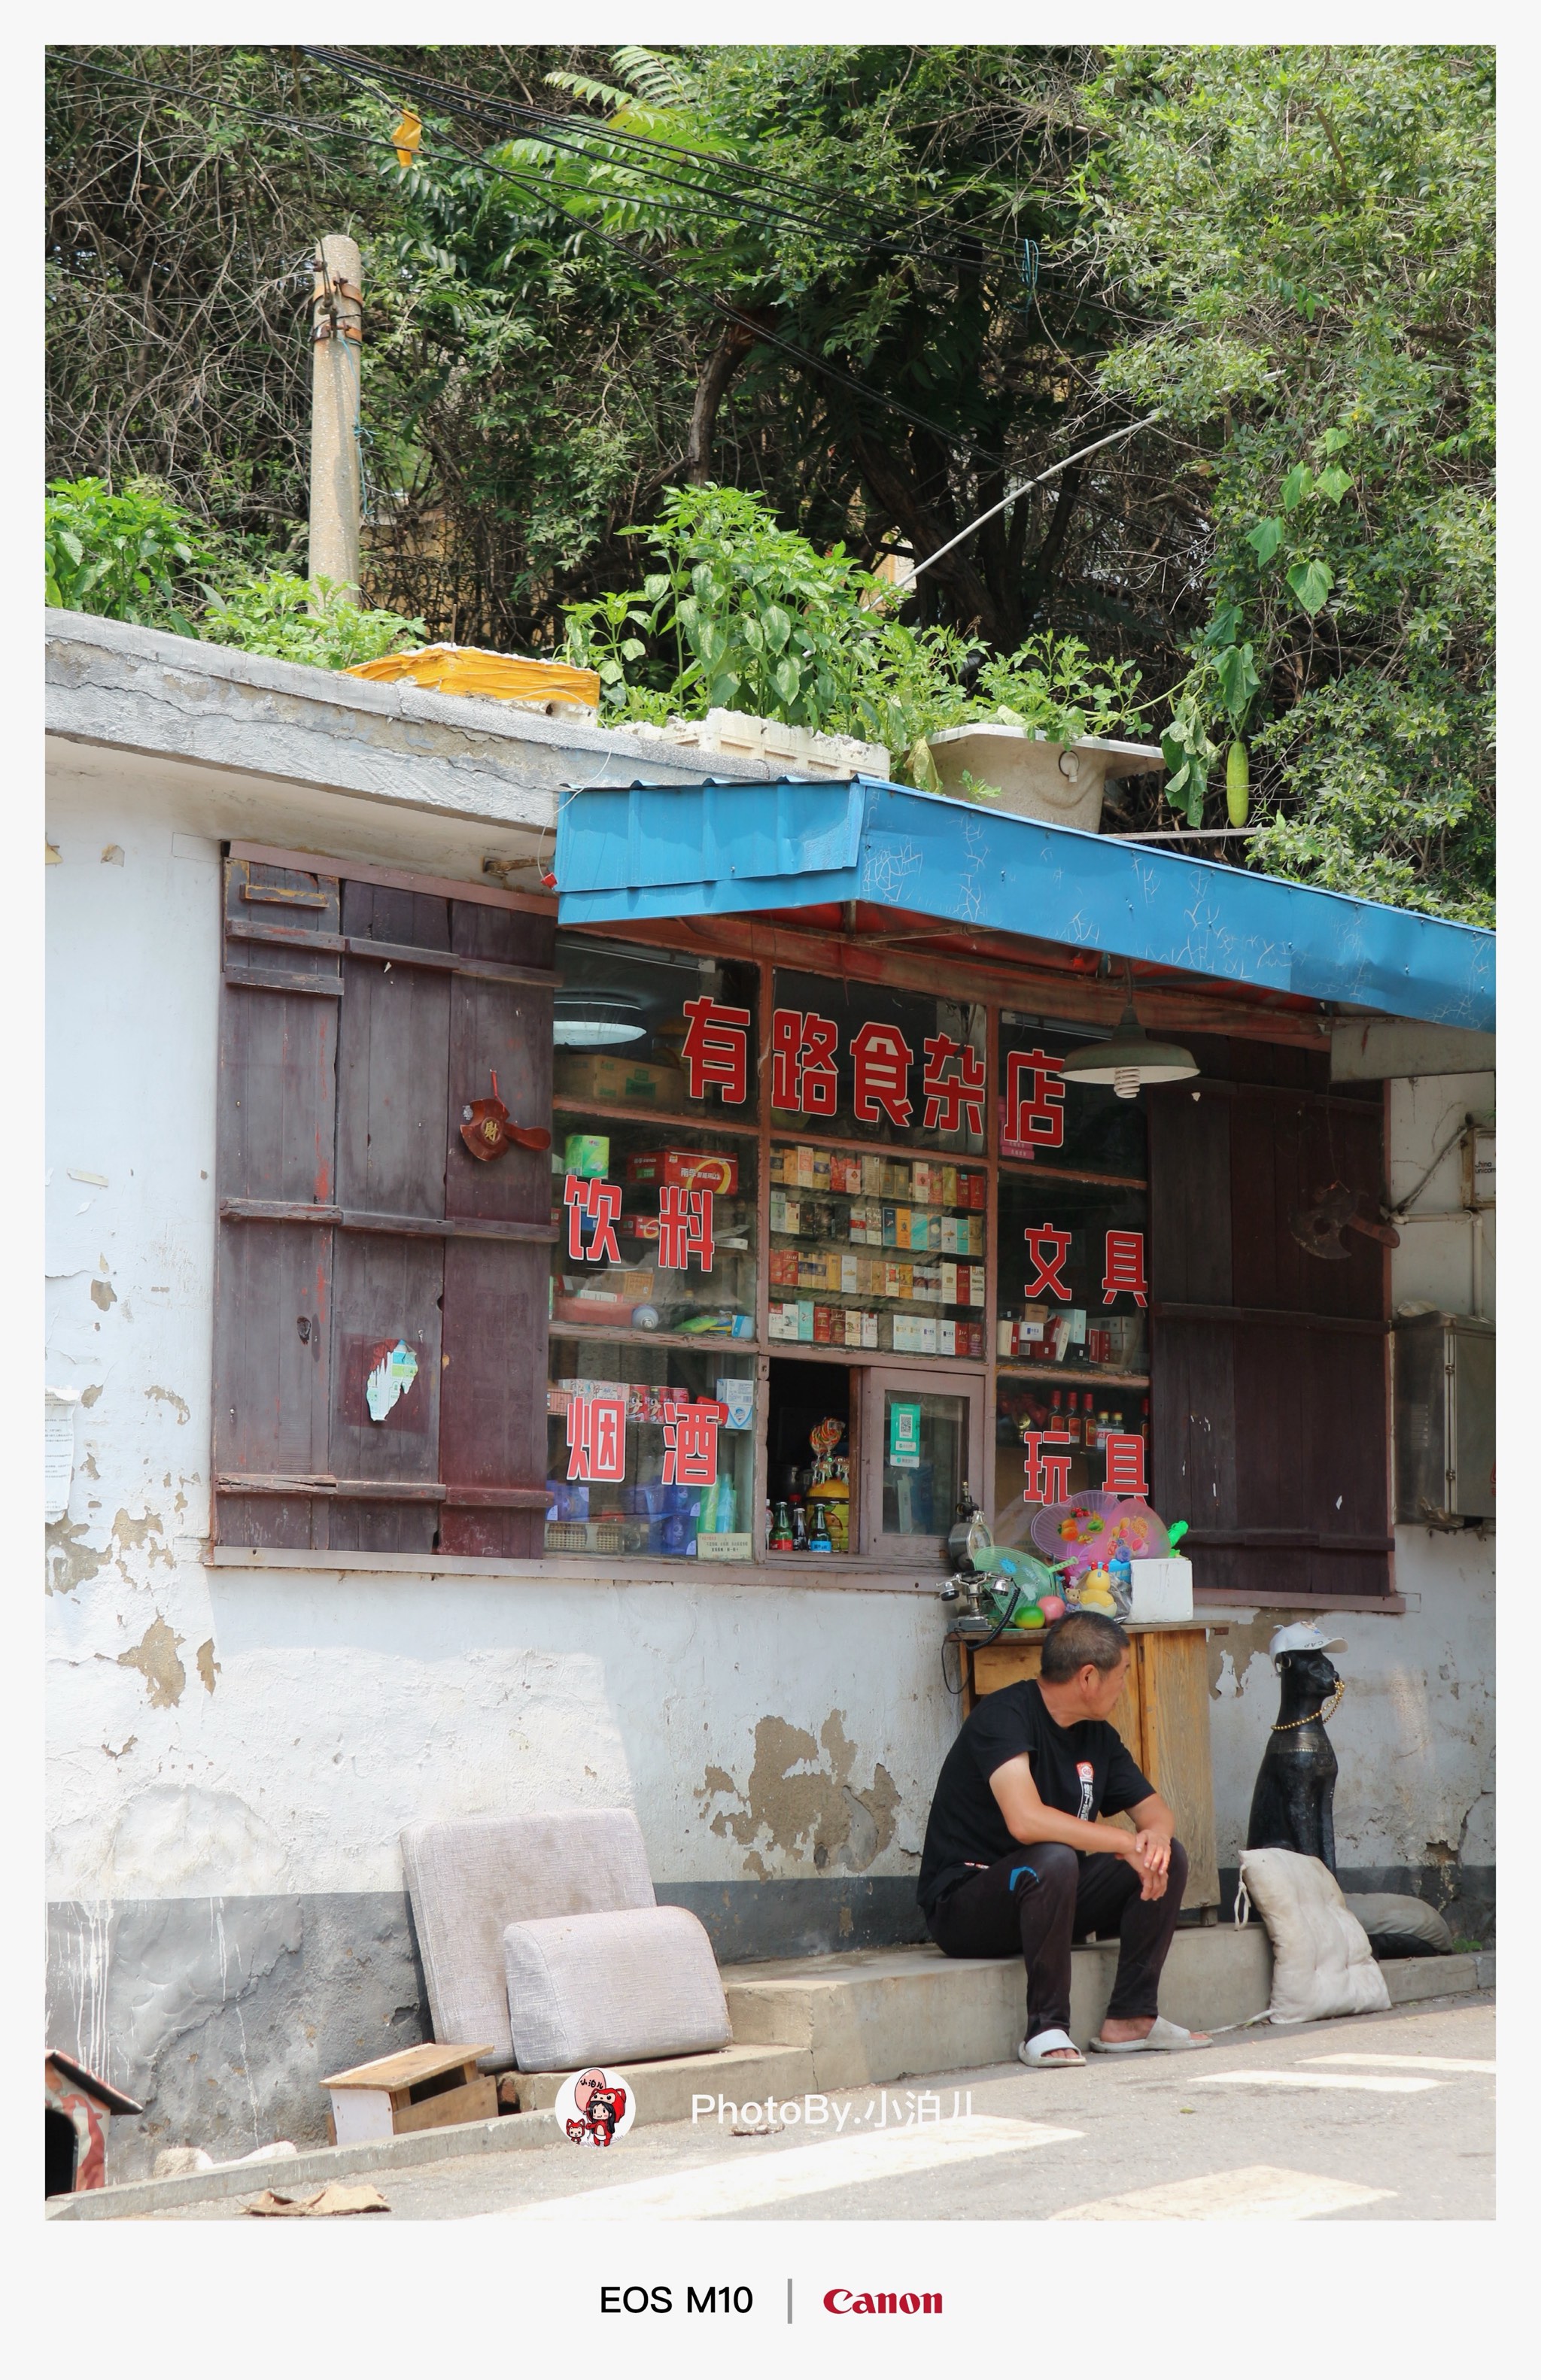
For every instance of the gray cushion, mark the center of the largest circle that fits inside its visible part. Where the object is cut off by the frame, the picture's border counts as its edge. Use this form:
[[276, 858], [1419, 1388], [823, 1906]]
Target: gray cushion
[[632, 1982], [1400, 1927], [471, 1878]]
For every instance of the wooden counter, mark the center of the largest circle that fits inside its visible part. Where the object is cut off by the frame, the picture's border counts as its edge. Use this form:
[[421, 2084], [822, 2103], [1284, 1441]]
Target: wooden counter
[[1163, 1717]]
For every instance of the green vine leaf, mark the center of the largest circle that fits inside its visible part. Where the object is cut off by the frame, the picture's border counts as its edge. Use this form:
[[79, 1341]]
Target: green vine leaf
[[1311, 584]]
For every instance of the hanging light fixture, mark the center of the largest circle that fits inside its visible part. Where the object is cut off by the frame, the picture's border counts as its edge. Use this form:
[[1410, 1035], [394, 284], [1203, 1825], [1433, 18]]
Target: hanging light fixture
[[1130, 1058], [596, 1020]]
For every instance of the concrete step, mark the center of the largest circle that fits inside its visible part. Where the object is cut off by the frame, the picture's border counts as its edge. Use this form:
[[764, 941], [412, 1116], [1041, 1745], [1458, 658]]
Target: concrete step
[[874, 2016], [745, 2074]]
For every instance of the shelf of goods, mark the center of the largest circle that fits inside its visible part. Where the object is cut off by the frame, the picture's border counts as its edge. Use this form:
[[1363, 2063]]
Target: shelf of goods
[[875, 1252]]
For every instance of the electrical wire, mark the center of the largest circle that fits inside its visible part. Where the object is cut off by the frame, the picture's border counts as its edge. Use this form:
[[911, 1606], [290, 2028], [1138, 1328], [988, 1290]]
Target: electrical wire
[[487, 107], [310, 126]]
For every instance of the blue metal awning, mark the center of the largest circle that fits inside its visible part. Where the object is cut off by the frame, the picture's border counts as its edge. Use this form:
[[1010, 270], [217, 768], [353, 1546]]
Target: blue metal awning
[[683, 851]]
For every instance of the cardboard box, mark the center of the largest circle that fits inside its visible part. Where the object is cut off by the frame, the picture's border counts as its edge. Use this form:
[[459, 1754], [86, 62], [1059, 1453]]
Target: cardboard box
[[1162, 1589], [690, 1169], [597, 1074]]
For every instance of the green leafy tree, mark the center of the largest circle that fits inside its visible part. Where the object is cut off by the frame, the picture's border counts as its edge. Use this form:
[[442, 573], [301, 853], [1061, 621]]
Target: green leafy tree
[[131, 556], [1311, 234]]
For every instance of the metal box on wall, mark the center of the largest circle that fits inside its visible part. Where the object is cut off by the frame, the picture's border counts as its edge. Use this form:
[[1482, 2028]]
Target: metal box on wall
[[1446, 1414]]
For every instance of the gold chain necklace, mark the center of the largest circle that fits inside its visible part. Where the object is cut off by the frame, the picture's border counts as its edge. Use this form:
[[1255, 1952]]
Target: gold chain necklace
[[1282, 1727]]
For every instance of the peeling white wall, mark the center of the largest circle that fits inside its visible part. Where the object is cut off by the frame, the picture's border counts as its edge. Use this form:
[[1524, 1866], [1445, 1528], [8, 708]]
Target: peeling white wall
[[220, 1731], [1414, 1731]]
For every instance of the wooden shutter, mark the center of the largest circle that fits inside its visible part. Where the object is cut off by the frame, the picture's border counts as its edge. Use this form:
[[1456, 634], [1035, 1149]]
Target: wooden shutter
[[1270, 1391], [352, 1217]]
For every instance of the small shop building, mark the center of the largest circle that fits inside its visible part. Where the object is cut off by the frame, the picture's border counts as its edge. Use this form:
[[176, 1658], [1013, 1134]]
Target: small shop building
[[548, 1232]]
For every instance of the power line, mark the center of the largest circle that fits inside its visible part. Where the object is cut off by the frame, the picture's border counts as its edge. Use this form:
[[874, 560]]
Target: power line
[[487, 107], [646, 266]]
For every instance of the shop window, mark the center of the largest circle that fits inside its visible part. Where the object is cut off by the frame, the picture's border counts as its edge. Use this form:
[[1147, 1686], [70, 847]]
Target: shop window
[[381, 1288], [654, 1030], [650, 1450], [876, 1253], [865, 1062], [811, 1494], [657, 1231], [1069, 1127]]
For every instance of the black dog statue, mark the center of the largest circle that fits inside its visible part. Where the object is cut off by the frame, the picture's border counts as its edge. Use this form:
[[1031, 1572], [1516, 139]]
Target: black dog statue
[[1291, 1803]]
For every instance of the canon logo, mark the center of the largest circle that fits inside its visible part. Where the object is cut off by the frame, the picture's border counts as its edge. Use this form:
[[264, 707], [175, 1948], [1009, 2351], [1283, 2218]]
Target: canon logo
[[883, 2301]]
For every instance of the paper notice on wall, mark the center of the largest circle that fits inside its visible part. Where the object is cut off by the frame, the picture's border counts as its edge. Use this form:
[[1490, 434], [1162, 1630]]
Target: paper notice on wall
[[390, 1380], [58, 1449]]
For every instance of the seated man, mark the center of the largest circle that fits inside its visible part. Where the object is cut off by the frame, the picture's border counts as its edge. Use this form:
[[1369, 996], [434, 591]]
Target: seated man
[[1016, 1857]]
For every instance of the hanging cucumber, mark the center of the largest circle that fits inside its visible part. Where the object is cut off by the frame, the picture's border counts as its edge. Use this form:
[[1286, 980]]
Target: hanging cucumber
[[1238, 784]]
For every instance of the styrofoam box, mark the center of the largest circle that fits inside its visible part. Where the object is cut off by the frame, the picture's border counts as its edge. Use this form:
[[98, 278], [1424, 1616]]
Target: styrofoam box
[[1162, 1590]]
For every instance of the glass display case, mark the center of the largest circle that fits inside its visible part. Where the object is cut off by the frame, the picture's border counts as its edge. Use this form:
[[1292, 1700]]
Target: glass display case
[[650, 1449], [875, 1252]]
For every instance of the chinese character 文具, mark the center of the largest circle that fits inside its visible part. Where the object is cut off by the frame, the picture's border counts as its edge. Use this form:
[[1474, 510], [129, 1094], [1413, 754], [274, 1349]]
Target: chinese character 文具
[[1124, 1266], [1048, 1249], [716, 1050]]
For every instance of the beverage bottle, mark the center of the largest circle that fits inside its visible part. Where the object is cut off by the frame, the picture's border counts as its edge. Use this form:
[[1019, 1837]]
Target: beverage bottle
[[781, 1531]]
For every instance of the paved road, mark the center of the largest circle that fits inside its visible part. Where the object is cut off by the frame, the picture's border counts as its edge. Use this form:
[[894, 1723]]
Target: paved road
[[1367, 2118]]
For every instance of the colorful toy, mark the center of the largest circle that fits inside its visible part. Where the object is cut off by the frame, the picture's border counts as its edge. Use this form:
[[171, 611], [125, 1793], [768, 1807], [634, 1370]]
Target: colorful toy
[[1090, 1530], [1052, 1606]]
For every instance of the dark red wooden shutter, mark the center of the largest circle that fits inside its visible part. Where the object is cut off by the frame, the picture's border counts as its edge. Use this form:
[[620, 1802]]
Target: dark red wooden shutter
[[276, 1161], [493, 1431], [1269, 1365], [381, 1013]]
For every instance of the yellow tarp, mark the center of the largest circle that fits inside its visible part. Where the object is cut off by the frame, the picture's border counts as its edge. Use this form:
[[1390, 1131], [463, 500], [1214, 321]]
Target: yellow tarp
[[465, 669]]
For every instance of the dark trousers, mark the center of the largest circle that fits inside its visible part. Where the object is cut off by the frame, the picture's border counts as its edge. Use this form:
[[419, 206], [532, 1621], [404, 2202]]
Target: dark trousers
[[1039, 1899]]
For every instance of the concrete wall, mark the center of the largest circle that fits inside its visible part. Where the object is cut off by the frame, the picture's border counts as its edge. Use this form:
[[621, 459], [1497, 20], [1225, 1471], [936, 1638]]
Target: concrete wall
[[233, 1753]]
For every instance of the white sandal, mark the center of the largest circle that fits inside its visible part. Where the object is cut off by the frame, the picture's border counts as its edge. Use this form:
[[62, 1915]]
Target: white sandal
[[1162, 2035], [1034, 2053]]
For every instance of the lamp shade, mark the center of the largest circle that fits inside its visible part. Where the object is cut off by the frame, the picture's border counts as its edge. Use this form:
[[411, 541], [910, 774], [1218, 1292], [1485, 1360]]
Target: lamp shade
[[596, 1020], [1130, 1059]]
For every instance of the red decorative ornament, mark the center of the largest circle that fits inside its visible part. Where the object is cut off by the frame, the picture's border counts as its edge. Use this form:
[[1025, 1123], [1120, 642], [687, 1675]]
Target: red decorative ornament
[[487, 1129]]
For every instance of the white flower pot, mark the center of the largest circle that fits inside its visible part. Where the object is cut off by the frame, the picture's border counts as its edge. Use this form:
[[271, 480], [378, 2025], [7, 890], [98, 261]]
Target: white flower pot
[[1037, 779]]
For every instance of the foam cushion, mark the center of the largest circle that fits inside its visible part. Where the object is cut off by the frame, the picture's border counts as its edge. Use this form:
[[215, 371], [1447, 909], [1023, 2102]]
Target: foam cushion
[[597, 1990], [470, 1878], [1322, 1960], [1399, 1927]]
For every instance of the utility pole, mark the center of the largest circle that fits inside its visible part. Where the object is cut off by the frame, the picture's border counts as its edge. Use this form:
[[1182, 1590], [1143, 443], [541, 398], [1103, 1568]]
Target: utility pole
[[336, 351]]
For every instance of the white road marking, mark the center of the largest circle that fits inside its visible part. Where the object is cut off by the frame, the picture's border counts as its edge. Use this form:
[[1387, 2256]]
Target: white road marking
[[1266, 2193], [1396, 2057], [738, 2184], [1291, 2078]]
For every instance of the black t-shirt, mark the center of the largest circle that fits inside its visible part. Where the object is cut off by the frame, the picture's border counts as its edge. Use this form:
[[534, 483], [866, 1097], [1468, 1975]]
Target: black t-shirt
[[1082, 1770]]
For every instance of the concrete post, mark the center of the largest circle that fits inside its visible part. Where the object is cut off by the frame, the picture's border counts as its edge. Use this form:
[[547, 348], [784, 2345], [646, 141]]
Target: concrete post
[[336, 353]]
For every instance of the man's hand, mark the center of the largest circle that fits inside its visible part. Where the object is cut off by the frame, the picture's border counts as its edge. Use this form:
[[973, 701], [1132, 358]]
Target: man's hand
[[1150, 1855]]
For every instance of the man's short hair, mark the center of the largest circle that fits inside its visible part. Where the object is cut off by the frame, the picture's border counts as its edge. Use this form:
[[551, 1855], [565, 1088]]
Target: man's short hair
[[1079, 1637]]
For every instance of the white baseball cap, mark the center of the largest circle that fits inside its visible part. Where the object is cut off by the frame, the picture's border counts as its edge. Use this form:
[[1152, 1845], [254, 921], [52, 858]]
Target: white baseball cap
[[1304, 1637]]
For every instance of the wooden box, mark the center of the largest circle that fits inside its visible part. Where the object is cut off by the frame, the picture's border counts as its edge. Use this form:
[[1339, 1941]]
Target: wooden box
[[415, 2091]]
